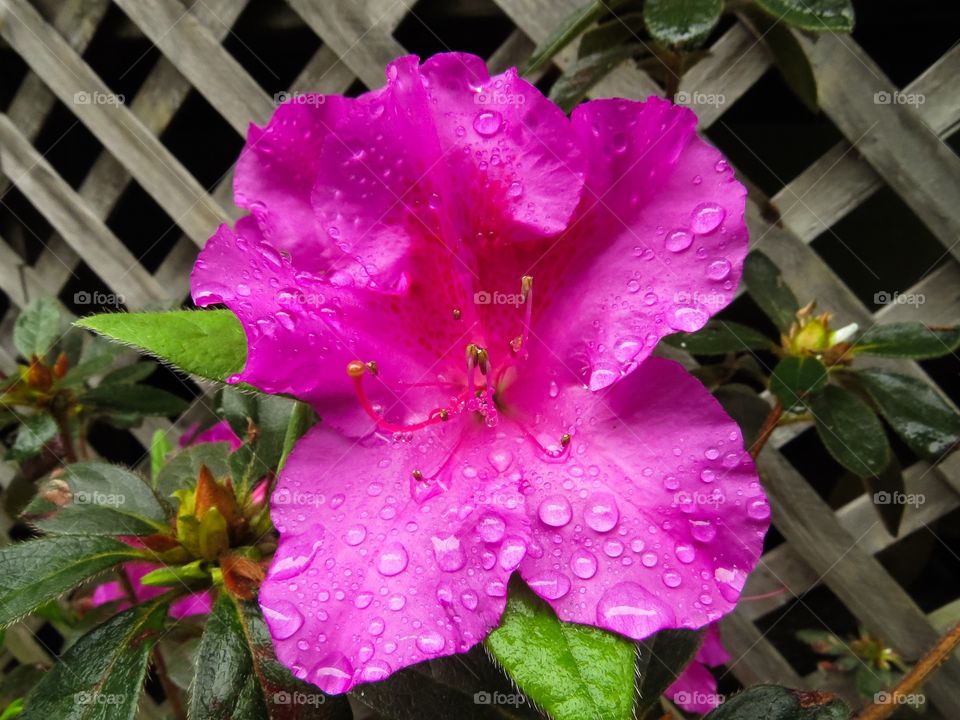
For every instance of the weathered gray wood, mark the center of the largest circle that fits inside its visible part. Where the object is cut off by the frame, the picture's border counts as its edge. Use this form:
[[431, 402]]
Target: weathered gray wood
[[853, 574], [197, 53], [64, 209], [154, 167], [753, 659], [892, 137]]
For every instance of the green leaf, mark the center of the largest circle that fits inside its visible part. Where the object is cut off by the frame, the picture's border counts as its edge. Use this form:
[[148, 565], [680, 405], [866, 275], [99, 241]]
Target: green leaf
[[768, 289], [915, 410], [621, 29], [572, 671], [681, 22], [104, 500], [744, 405], [663, 658], [208, 343], [719, 337], [908, 340], [795, 379], [37, 328], [12, 710], [815, 15], [886, 490], [772, 702], [182, 471], [851, 431], [129, 373], [571, 26], [140, 399], [160, 447], [33, 436], [788, 55], [301, 420], [270, 415], [576, 81], [18, 681], [237, 676], [101, 676], [39, 570]]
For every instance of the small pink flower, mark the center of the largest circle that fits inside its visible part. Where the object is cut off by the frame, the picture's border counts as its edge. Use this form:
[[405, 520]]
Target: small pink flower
[[696, 689], [193, 604], [219, 432], [467, 285]]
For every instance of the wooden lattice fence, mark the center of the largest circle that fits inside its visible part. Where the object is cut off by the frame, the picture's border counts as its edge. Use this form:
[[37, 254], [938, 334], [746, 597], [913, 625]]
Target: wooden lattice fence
[[898, 146]]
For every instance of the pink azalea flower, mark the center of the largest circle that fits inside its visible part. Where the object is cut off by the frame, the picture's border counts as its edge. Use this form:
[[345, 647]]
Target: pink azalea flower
[[696, 689], [477, 423], [193, 604], [220, 432]]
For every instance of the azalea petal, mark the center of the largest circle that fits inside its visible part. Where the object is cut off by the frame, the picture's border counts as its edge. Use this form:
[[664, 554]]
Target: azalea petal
[[695, 690], [656, 247], [377, 570], [302, 329], [712, 651], [656, 517]]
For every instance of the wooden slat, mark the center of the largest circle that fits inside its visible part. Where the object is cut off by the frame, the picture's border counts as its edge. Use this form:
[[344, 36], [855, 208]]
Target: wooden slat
[[892, 137], [153, 166], [64, 209]]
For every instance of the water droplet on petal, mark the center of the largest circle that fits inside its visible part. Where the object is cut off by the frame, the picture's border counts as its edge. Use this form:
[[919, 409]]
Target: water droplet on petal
[[448, 553], [601, 513], [512, 552], [613, 548], [283, 618], [430, 642], [758, 509], [290, 565], [688, 319], [671, 578], [685, 553], [515, 189], [355, 535], [375, 671], [628, 609], [363, 600], [496, 588], [702, 530], [550, 584], [487, 123], [583, 563], [332, 674], [678, 240], [469, 599], [730, 582], [706, 217], [500, 459], [491, 528], [718, 269], [376, 626], [393, 560], [555, 511]]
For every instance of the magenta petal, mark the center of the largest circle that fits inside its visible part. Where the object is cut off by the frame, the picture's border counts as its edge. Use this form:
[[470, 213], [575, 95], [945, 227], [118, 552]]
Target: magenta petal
[[712, 651], [656, 247], [219, 432], [695, 690], [373, 574], [657, 517]]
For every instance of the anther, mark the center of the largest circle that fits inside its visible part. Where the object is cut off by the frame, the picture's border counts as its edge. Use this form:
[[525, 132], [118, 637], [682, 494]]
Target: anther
[[372, 367], [483, 360], [356, 369], [417, 475], [444, 415], [565, 439], [457, 314]]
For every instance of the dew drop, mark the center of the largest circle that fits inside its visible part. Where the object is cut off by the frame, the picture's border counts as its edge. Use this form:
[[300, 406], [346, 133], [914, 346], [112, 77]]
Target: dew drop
[[431, 642], [671, 578], [685, 553], [491, 528], [628, 609], [601, 513], [469, 599], [500, 459], [393, 560], [363, 600], [702, 530], [678, 240], [487, 123], [718, 269], [376, 626], [758, 509], [355, 535], [550, 584], [706, 217], [375, 671], [283, 618], [332, 674], [555, 511], [688, 319], [512, 552], [448, 553], [583, 563]]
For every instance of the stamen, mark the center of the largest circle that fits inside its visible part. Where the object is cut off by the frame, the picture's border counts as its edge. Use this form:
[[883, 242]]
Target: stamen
[[356, 370], [417, 475], [526, 289], [457, 314]]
